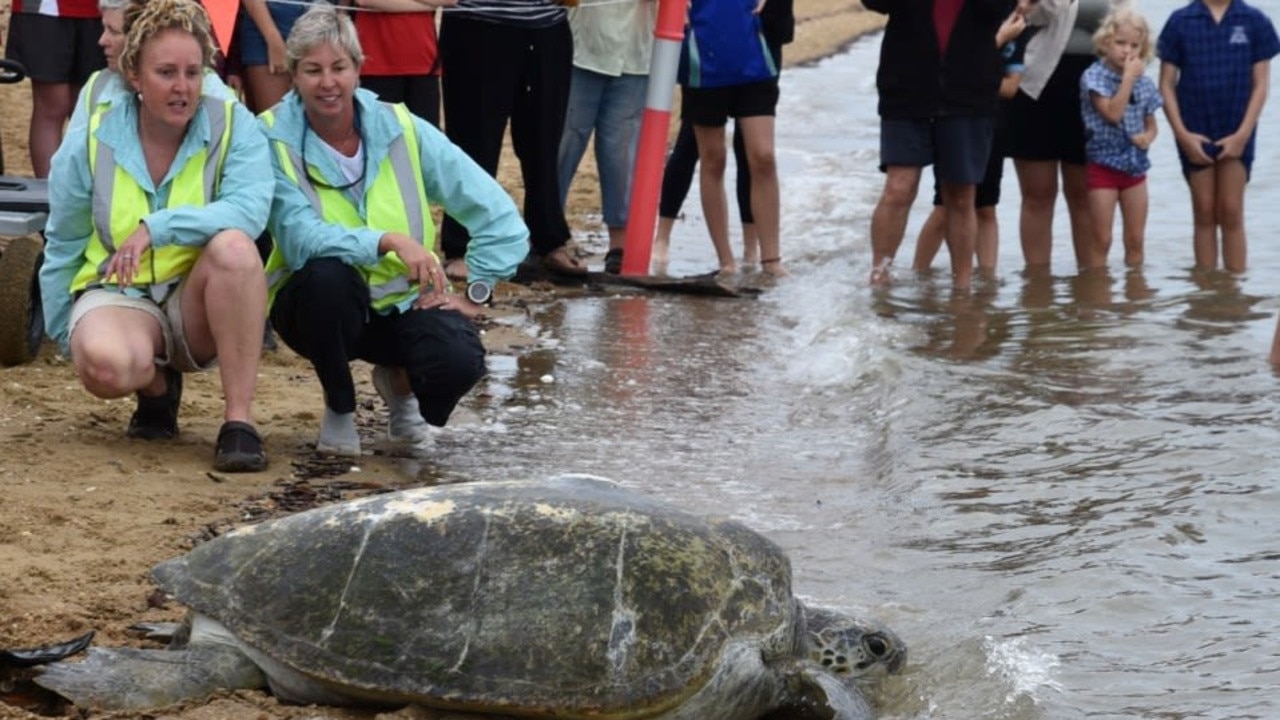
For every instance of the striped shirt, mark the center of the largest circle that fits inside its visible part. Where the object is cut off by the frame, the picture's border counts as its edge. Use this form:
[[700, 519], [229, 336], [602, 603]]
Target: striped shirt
[[518, 13]]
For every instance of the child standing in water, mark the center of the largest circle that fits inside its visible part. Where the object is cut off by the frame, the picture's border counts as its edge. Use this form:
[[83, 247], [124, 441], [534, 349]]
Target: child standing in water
[[1118, 104], [1215, 64]]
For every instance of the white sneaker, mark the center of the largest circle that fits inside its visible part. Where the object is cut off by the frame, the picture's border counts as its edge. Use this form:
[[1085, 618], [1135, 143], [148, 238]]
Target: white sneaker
[[338, 434], [406, 423]]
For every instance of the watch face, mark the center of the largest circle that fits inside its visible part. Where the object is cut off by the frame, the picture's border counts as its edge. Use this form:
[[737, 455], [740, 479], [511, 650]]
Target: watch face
[[479, 292]]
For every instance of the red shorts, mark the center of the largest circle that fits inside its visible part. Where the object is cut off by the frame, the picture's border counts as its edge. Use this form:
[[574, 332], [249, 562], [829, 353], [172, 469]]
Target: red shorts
[[1101, 177]]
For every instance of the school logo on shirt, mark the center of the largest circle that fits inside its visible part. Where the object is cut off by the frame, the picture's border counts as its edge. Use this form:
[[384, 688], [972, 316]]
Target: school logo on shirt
[[1238, 36]]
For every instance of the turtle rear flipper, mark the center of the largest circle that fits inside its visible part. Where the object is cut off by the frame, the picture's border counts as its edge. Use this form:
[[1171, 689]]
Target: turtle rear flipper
[[129, 678]]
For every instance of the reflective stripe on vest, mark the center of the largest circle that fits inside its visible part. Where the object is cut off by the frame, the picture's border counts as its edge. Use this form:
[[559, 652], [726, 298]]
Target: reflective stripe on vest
[[396, 201], [119, 203]]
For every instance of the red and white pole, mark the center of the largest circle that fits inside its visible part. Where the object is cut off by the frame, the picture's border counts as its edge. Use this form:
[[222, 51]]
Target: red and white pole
[[655, 126]]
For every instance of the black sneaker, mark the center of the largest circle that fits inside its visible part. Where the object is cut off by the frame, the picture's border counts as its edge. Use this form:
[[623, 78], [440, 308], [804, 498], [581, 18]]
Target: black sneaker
[[239, 449], [157, 417]]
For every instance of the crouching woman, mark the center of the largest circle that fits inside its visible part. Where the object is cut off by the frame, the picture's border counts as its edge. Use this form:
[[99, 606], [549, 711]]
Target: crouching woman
[[353, 274], [150, 269]]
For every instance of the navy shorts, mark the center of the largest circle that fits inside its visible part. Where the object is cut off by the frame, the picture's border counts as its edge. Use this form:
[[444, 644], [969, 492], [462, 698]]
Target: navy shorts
[[959, 148], [253, 46], [714, 106], [988, 191], [56, 50]]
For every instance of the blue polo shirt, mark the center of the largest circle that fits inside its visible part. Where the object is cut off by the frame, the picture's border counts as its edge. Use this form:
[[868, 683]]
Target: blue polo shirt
[[1215, 63], [1111, 144]]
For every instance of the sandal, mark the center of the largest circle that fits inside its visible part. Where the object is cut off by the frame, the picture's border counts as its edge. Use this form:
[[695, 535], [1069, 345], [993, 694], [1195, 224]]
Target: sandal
[[239, 449], [562, 261], [613, 261]]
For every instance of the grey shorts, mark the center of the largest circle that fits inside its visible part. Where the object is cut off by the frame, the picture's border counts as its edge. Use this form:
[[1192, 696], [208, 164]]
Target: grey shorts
[[958, 147], [177, 354]]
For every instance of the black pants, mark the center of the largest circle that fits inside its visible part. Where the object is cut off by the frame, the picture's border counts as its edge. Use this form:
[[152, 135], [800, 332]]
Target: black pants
[[323, 313], [494, 73], [419, 93]]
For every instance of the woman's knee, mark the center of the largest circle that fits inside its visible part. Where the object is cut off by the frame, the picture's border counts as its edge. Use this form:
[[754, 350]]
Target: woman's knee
[[233, 251]]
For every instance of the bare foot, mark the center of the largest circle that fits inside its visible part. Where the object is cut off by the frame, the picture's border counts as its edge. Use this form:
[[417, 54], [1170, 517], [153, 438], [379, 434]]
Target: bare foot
[[880, 275], [774, 268]]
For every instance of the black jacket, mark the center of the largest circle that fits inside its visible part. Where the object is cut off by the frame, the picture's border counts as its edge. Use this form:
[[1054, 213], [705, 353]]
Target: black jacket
[[915, 83]]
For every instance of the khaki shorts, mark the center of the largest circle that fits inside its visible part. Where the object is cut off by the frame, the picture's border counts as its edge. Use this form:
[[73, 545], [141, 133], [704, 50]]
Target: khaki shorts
[[177, 354]]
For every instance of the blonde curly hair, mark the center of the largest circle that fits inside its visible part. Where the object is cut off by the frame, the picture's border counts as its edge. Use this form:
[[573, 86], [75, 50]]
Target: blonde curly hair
[[145, 19], [1125, 18]]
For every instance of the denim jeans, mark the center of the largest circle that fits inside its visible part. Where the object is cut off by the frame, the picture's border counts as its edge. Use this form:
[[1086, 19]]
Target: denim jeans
[[611, 107]]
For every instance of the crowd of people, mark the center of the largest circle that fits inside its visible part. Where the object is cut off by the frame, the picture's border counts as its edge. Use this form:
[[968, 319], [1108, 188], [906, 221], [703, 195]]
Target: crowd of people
[[1060, 86], [167, 247]]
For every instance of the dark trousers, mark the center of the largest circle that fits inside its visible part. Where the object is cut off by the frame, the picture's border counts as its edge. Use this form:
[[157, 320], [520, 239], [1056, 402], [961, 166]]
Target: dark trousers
[[493, 73], [323, 314], [419, 93]]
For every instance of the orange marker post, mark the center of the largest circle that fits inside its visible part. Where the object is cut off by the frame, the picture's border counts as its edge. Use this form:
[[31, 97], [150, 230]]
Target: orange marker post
[[655, 126]]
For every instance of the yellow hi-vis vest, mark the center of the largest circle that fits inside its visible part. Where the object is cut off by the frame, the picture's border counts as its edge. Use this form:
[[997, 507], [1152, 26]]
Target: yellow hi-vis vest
[[119, 202], [395, 202]]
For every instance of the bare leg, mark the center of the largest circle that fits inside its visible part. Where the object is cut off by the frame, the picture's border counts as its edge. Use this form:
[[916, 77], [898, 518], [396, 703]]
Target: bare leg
[[750, 244], [889, 220], [265, 87], [1075, 188], [988, 242], [1102, 209], [1203, 184], [1229, 202], [1133, 210], [51, 105], [662, 245], [757, 136], [1275, 344], [962, 230], [114, 350], [715, 203], [929, 241], [1038, 182], [224, 301]]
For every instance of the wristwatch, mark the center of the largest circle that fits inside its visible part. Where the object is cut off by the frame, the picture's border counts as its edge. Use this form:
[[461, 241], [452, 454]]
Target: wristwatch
[[479, 292]]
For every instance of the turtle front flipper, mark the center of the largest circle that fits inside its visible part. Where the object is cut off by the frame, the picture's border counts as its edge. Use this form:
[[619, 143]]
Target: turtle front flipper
[[131, 679], [817, 695]]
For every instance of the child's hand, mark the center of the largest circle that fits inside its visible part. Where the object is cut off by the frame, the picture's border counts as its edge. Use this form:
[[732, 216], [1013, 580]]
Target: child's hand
[[1010, 29], [1193, 145], [1142, 140], [1134, 67], [1231, 147]]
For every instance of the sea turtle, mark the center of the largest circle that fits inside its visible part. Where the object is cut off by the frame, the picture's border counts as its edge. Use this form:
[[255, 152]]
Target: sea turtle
[[566, 598]]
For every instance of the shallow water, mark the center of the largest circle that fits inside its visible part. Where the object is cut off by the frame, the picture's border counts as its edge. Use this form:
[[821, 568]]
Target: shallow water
[[1060, 492]]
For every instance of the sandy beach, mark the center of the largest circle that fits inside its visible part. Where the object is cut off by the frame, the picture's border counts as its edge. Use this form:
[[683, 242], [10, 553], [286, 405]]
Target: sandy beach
[[85, 512]]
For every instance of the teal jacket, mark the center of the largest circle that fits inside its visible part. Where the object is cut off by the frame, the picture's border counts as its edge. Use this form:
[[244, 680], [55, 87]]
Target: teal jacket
[[499, 238], [242, 203]]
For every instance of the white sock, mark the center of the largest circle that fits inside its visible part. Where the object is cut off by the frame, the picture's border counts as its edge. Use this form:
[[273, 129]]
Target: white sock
[[338, 434]]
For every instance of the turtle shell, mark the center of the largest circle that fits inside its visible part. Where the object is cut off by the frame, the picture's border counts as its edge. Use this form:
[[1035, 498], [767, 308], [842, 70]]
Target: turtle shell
[[570, 597]]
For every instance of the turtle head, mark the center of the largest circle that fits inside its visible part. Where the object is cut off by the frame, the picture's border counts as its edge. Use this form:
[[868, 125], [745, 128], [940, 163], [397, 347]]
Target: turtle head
[[845, 646]]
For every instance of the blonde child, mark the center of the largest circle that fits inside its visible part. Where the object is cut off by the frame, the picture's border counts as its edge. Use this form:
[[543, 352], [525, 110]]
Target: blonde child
[[1118, 104], [1215, 60]]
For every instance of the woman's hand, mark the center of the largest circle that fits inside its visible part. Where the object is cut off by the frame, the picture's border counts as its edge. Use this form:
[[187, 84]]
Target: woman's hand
[[277, 56], [124, 264], [423, 267]]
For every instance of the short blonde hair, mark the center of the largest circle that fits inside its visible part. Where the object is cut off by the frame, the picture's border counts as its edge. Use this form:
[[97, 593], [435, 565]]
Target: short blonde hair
[[147, 19], [322, 24], [1125, 18]]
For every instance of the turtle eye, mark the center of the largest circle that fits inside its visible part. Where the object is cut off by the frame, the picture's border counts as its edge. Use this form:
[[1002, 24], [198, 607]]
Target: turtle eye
[[876, 645]]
